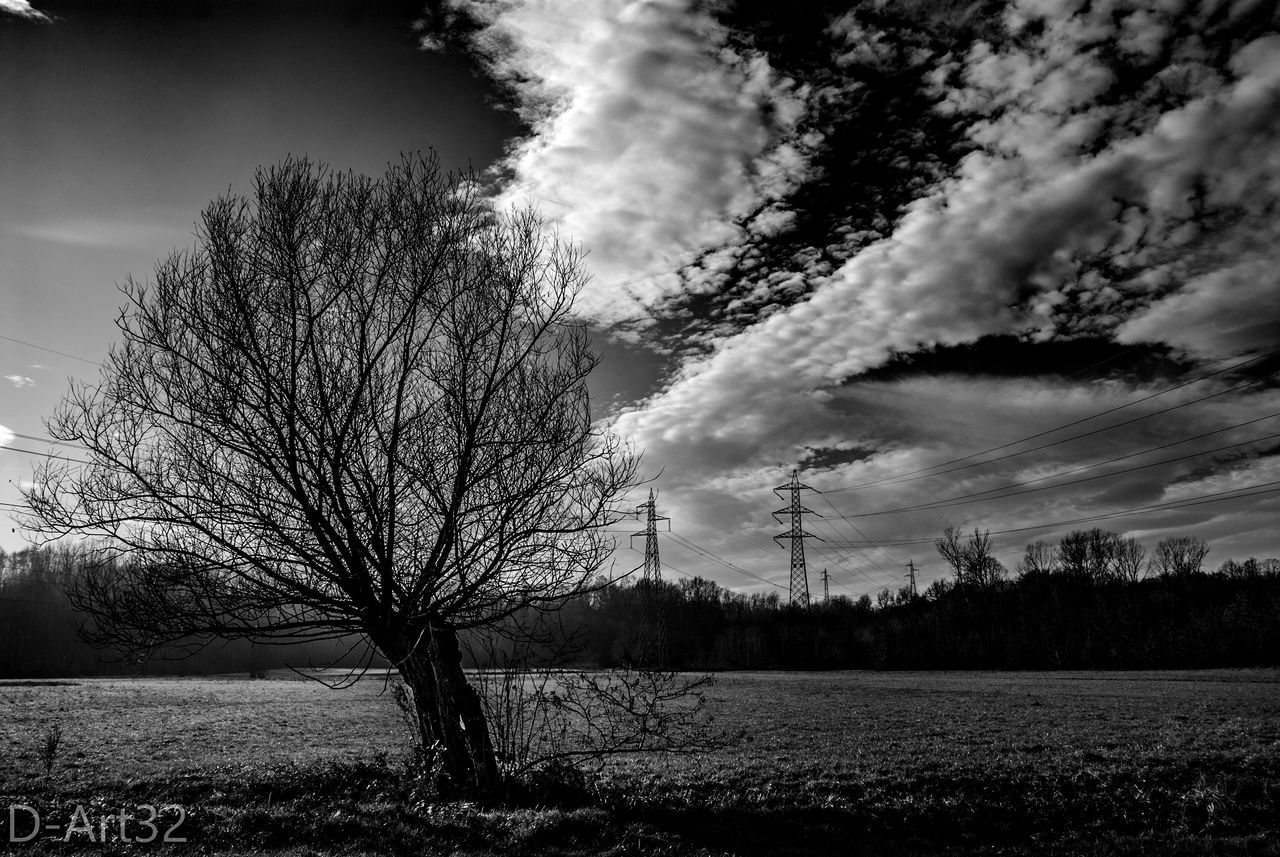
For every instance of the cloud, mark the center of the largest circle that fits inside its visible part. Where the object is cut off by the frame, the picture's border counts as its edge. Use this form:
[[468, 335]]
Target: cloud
[[19, 381], [652, 136], [1221, 313], [988, 251], [6, 436], [1070, 171], [100, 232], [1075, 213], [22, 9]]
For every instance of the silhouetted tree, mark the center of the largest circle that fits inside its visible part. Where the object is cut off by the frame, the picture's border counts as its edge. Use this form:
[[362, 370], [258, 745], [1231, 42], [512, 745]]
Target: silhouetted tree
[[354, 406], [1039, 558], [1130, 559], [970, 558], [1179, 556], [1091, 554]]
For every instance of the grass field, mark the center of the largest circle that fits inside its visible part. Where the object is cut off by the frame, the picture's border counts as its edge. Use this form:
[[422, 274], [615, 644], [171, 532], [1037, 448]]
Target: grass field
[[824, 763]]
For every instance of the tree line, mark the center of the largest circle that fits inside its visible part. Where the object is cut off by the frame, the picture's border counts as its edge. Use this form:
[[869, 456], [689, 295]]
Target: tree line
[[40, 631], [1094, 600]]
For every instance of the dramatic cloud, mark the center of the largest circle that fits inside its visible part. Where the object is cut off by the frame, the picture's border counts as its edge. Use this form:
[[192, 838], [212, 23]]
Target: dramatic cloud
[[651, 136], [1105, 172], [964, 262], [22, 9], [1223, 312]]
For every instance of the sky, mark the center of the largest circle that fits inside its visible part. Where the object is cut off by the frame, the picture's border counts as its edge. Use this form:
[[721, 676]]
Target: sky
[[1008, 265]]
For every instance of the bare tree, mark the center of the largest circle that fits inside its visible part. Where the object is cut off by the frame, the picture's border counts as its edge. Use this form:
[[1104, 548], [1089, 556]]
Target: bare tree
[[354, 406], [970, 558], [1040, 558], [1179, 556], [1090, 554], [1130, 559]]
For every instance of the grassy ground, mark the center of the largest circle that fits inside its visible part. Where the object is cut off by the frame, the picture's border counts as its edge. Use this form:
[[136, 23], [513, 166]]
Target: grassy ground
[[820, 763]]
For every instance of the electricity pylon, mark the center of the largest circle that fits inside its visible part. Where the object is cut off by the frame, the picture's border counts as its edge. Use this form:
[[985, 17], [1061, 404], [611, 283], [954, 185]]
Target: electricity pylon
[[911, 576], [799, 574], [652, 565], [653, 630]]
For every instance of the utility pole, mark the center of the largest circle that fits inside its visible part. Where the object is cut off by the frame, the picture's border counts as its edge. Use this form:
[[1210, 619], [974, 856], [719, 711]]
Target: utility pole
[[826, 589], [911, 576], [799, 575], [652, 565]]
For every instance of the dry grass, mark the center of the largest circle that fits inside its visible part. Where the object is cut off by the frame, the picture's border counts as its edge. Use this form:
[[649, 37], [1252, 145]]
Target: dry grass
[[898, 763]]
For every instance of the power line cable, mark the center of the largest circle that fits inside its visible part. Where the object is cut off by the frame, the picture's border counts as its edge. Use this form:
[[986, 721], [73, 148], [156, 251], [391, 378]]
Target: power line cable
[[689, 544], [1006, 456], [50, 350], [964, 499], [845, 518], [922, 473], [43, 454], [47, 439], [1168, 506]]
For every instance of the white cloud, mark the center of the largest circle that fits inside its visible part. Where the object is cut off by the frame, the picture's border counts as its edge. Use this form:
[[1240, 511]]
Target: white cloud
[[655, 143], [19, 381], [651, 136], [1223, 313], [994, 249], [99, 232], [22, 9]]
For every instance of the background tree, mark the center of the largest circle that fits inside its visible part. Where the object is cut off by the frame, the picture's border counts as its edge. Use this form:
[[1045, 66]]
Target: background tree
[[1039, 558], [1090, 554], [1179, 556], [970, 558], [353, 406], [1130, 559]]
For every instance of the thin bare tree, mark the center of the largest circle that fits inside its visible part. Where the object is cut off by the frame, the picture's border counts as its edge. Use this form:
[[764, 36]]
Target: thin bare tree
[[354, 406], [970, 558], [1130, 560], [1039, 559], [1179, 556]]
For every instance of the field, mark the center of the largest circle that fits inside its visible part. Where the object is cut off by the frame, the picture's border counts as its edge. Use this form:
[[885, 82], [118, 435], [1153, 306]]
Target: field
[[817, 763]]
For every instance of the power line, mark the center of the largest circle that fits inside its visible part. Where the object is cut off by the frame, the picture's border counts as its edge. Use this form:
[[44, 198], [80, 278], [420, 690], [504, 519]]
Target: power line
[[1168, 506], [965, 499], [689, 544], [43, 454], [50, 350], [923, 473], [46, 439], [757, 540], [853, 566], [845, 518]]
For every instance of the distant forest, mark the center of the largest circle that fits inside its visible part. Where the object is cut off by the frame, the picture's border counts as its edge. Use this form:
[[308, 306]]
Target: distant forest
[[1082, 604], [39, 631]]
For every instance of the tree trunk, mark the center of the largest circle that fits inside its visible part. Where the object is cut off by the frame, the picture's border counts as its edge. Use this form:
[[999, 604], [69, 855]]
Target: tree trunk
[[451, 721]]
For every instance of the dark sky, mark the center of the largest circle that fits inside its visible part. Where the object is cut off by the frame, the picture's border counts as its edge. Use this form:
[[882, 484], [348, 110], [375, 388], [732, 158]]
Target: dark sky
[[872, 240]]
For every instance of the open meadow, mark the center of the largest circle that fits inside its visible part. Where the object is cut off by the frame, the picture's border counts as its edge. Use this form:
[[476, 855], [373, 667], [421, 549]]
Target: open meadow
[[839, 763]]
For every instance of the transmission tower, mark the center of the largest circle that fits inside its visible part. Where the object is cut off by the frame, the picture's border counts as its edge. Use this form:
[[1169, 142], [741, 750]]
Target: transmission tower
[[826, 588], [652, 565], [911, 576], [652, 643], [799, 575]]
